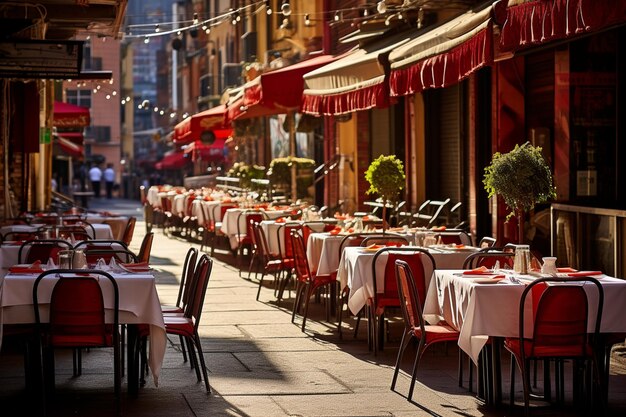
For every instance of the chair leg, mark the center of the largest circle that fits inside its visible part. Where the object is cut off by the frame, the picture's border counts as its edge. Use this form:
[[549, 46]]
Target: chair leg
[[526, 382], [202, 364], [296, 303], [258, 293], [308, 293], [182, 348], [403, 344], [342, 298], [420, 350], [122, 344], [460, 371], [512, 383], [191, 343]]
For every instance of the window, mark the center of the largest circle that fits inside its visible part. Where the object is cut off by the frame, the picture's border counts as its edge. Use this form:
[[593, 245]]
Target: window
[[100, 134], [79, 97]]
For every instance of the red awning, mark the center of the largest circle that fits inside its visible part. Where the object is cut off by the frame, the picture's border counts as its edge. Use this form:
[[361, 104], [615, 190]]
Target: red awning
[[534, 22], [75, 137], [172, 160], [355, 82], [69, 148], [278, 91], [445, 55], [192, 127], [202, 152], [69, 115]]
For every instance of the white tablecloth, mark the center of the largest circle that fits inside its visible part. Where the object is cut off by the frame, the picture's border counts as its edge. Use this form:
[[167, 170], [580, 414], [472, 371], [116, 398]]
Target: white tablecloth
[[103, 231], [482, 310], [229, 223], [117, 224], [355, 272], [322, 252], [139, 303]]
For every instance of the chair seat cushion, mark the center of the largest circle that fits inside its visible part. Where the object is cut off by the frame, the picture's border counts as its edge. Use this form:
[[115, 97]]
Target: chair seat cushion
[[437, 333], [562, 351], [170, 309], [180, 325]]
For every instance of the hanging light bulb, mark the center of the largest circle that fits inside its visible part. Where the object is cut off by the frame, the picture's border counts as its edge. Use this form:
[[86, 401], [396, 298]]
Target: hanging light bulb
[[157, 29], [95, 90], [337, 17], [156, 109], [123, 102], [285, 8], [204, 27], [146, 40], [388, 21], [127, 98], [366, 12], [98, 87], [139, 106], [381, 7], [195, 19], [307, 20], [400, 16], [268, 7], [179, 33], [111, 81], [108, 96], [114, 93], [233, 17], [207, 30]]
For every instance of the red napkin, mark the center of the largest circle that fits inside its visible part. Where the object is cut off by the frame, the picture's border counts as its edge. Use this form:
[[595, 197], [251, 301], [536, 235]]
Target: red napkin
[[459, 246], [566, 270], [365, 218], [584, 273], [281, 220], [375, 247], [439, 228], [483, 270], [27, 269], [393, 244], [207, 198], [137, 267]]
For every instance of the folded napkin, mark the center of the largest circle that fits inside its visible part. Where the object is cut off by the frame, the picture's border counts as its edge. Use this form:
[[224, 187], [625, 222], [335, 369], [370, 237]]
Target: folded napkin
[[281, 220], [479, 271], [492, 279], [374, 246], [438, 228], [34, 268], [459, 246], [365, 218], [584, 273], [136, 267], [566, 270]]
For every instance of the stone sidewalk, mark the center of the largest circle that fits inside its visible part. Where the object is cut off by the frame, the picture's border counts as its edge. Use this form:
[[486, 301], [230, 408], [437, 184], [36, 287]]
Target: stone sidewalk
[[260, 364]]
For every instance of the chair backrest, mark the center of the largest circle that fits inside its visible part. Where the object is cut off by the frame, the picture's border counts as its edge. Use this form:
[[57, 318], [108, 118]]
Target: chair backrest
[[186, 278], [487, 242], [101, 243], [129, 230], [120, 255], [77, 309], [455, 237], [202, 274], [70, 219], [76, 232], [146, 248], [410, 303], [19, 236], [166, 204], [301, 264], [420, 261], [260, 242], [385, 240], [248, 217], [488, 259], [560, 309], [42, 250], [222, 209], [286, 230]]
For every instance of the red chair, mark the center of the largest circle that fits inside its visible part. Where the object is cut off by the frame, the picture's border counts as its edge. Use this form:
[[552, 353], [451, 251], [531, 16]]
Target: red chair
[[216, 225], [415, 326], [129, 230], [245, 220], [145, 248], [42, 250], [312, 227], [184, 288], [488, 258], [287, 255], [307, 283], [272, 263], [560, 312], [186, 325], [387, 297], [77, 319]]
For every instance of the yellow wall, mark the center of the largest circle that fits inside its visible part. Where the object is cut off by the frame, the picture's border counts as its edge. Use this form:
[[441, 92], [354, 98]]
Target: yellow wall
[[346, 143], [418, 157]]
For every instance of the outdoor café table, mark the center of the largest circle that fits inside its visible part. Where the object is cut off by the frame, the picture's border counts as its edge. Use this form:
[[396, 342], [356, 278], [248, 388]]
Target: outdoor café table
[[229, 223], [103, 231], [322, 252], [116, 223], [480, 310], [355, 271], [199, 206], [139, 304], [9, 252], [274, 239]]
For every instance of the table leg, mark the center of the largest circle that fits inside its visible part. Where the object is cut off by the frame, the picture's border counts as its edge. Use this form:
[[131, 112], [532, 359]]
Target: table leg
[[496, 357], [132, 350]]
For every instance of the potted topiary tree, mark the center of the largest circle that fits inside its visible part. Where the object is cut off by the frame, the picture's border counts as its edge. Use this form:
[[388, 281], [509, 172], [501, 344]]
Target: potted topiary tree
[[522, 178], [386, 178]]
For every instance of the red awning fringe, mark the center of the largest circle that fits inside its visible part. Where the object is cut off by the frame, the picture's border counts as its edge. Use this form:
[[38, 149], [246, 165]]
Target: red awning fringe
[[361, 99], [446, 68], [540, 21]]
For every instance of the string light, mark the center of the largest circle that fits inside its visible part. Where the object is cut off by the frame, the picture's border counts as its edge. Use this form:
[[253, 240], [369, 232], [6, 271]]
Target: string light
[[420, 18], [307, 20], [157, 29], [268, 7], [285, 8], [381, 7], [337, 17], [195, 19]]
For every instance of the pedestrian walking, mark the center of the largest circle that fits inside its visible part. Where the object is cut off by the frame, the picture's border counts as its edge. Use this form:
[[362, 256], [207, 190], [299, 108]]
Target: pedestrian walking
[[95, 176], [109, 180]]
